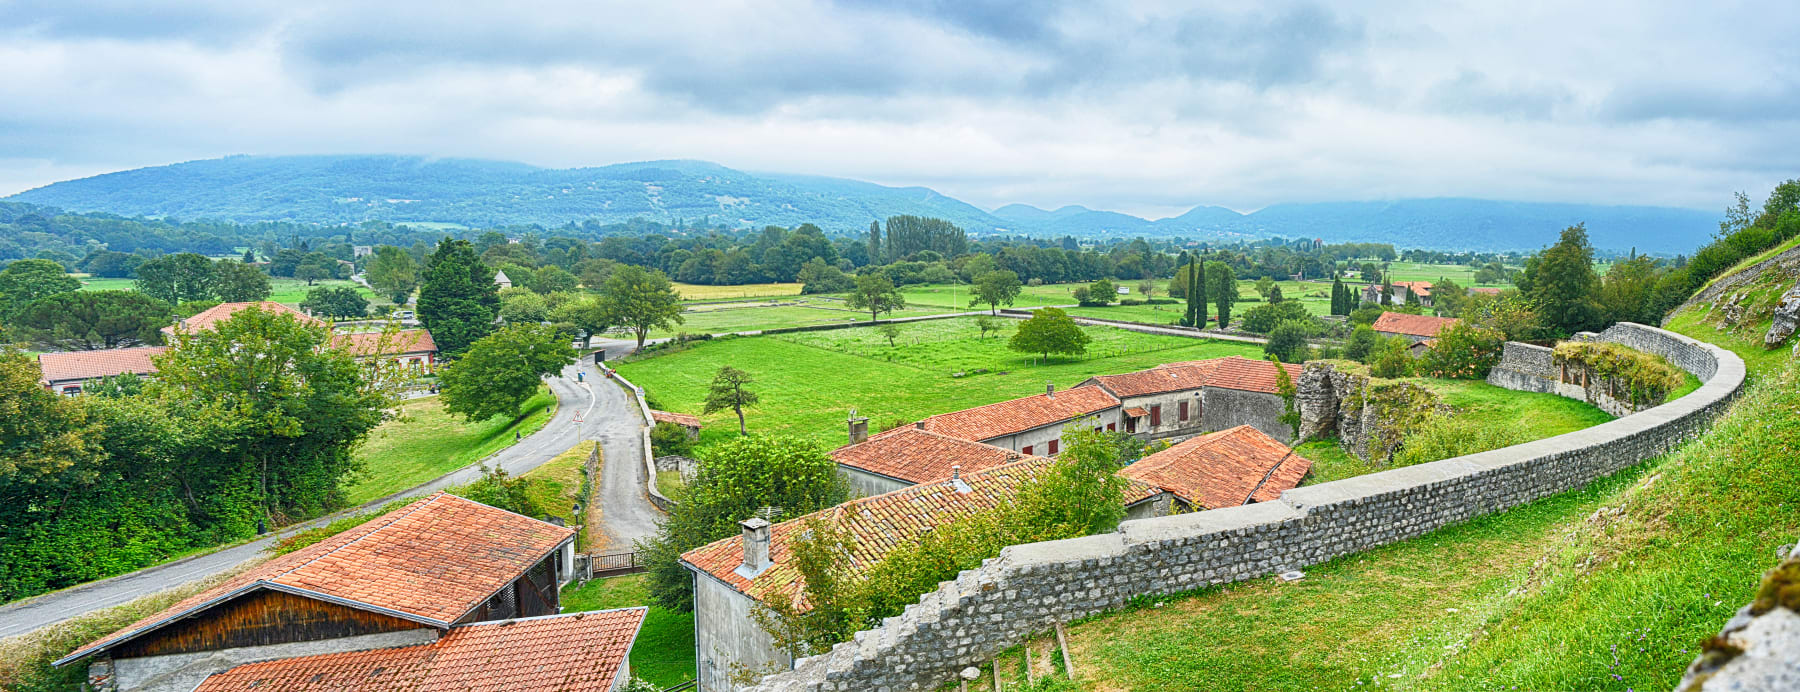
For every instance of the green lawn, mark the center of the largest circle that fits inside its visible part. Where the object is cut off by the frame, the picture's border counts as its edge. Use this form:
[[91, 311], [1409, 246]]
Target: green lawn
[[424, 442], [743, 316], [1461, 274], [288, 291], [1609, 587], [809, 381], [664, 651]]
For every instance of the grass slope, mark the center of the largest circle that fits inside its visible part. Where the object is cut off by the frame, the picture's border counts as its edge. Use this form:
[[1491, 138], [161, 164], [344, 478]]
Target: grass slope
[[1607, 587], [809, 381], [664, 651], [425, 442]]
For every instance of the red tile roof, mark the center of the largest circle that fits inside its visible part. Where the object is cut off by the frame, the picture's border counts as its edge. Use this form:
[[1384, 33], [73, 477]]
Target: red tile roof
[[920, 456], [223, 311], [1169, 378], [87, 365], [1018, 415], [1421, 289], [1412, 325], [406, 341], [1136, 412], [1220, 469], [680, 419], [431, 561], [878, 524], [572, 651], [1238, 372]]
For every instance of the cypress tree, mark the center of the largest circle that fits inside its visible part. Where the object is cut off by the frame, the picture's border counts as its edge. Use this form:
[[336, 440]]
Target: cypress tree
[[1184, 265]]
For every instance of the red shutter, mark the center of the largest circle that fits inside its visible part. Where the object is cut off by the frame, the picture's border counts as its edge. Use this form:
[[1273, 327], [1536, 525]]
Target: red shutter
[[1053, 449], [1184, 411], [1155, 416], [1026, 450], [1110, 427]]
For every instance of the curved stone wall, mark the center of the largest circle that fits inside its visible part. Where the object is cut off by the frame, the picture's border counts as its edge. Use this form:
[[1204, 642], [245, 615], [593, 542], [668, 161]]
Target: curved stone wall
[[1029, 588]]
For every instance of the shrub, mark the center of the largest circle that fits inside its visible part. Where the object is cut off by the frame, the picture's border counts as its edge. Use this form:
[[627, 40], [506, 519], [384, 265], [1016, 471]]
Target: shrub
[[1263, 318], [1130, 301], [1361, 343], [1643, 378], [1463, 351], [1443, 437], [668, 438], [1391, 358], [1366, 314], [1288, 342]]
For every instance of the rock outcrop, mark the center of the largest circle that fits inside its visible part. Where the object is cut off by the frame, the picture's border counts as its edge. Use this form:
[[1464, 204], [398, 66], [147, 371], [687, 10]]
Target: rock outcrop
[[1785, 319]]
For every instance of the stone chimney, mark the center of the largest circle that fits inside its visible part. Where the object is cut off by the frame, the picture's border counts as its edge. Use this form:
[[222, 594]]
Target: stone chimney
[[756, 547], [1050, 389], [859, 428]]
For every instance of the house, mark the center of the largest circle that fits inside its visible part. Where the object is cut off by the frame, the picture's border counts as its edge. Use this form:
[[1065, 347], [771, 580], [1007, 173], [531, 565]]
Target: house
[[501, 279], [1227, 468], [362, 250], [573, 651], [1484, 291], [209, 317], [1418, 348], [732, 576], [406, 578], [64, 373], [908, 456], [1421, 289], [687, 422], [1413, 327], [410, 347], [1192, 397], [1031, 425]]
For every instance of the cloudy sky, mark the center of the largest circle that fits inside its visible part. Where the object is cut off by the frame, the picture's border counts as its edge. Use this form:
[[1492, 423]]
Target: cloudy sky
[[1143, 107]]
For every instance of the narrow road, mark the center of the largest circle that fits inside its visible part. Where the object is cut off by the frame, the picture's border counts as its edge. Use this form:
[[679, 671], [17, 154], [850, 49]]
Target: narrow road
[[626, 514], [556, 437]]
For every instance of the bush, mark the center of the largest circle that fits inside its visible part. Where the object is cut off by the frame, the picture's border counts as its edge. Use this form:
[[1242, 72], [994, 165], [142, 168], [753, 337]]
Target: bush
[[1263, 318], [1443, 437], [1365, 315], [668, 438], [1361, 343], [1463, 351], [1130, 301], [1288, 342], [1391, 358], [1642, 378]]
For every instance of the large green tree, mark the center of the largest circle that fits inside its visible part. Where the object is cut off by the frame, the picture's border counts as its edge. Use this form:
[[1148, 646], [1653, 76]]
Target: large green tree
[[875, 292], [1563, 284], [25, 281], [1222, 288], [1627, 292], [640, 300], [392, 272], [585, 313], [178, 278], [337, 302], [92, 320], [1049, 330], [737, 480], [502, 370], [236, 282], [995, 288], [458, 299]]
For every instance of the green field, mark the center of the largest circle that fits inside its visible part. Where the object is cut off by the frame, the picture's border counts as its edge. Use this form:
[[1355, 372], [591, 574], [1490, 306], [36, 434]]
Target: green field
[[287, 291], [424, 442], [1609, 587], [664, 651], [698, 292], [809, 381], [1463, 275], [755, 315]]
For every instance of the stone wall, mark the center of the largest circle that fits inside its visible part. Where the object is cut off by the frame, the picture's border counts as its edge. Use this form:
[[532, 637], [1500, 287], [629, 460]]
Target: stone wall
[[1029, 588], [1369, 420], [1529, 368]]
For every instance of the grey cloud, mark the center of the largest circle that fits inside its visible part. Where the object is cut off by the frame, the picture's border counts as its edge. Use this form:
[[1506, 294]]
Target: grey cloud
[[1474, 93], [1771, 102]]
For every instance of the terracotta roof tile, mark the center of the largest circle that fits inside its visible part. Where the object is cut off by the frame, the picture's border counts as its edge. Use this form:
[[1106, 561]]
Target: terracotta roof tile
[[1220, 469], [920, 456], [878, 523], [1018, 415], [405, 341], [681, 419], [1421, 289], [1238, 372], [573, 651], [432, 561], [87, 365], [1412, 325], [1169, 378], [223, 311]]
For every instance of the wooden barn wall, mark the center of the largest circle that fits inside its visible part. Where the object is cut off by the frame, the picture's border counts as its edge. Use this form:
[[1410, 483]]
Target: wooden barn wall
[[260, 618]]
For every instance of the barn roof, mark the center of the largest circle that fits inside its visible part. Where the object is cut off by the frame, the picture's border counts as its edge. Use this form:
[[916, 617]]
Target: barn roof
[[87, 365], [1019, 415], [1412, 325], [1222, 469], [920, 456]]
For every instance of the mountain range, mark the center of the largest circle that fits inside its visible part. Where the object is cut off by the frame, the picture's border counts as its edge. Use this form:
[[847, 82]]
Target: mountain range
[[479, 193]]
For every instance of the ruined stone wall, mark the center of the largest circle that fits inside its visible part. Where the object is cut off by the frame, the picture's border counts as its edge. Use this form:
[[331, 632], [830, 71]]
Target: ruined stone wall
[[1368, 417], [1029, 588], [1529, 368]]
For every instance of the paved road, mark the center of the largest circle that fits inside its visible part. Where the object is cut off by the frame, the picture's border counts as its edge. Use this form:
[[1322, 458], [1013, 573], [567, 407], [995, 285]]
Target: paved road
[[556, 437], [626, 514]]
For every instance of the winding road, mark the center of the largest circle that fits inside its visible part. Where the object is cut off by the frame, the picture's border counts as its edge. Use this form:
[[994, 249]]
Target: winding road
[[604, 410]]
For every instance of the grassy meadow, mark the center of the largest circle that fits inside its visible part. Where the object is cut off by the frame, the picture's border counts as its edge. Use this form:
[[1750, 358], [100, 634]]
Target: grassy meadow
[[281, 290], [664, 651], [809, 381], [424, 442], [697, 292]]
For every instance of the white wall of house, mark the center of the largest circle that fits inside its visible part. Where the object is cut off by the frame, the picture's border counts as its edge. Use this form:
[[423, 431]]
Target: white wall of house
[[727, 640], [1171, 423]]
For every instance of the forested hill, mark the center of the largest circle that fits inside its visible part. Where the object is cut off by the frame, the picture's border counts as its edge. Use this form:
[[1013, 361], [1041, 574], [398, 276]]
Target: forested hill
[[349, 189]]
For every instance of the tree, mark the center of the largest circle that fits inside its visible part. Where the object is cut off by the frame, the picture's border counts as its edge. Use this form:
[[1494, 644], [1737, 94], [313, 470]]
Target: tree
[[497, 488], [1361, 342], [728, 391], [1387, 292], [1448, 297], [521, 305], [1274, 294], [1464, 351], [249, 256], [552, 279], [393, 273], [641, 300], [315, 266], [1564, 286], [337, 302], [502, 370], [41, 434], [875, 292], [987, 324], [875, 242], [1081, 493], [236, 282], [25, 281], [737, 479], [1412, 299], [1190, 285], [1102, 291], [458, 299], [817, 277], [889, 330], [1222, 287], [1391, 357], [1264, 285], [178, 278], [1628, 292], [1049, 330], [1147, 288], [1340, 297], [995, 288], [1287, 341], [587, 313], [93, 320], [1264, 318]]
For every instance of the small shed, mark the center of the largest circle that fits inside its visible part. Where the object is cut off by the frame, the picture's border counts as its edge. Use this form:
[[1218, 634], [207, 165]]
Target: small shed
[[687, 422]]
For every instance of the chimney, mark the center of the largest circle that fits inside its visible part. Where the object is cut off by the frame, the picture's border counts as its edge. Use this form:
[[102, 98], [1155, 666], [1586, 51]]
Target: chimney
[[956, 481], [1050, 389], [756, 547], [859, 428]]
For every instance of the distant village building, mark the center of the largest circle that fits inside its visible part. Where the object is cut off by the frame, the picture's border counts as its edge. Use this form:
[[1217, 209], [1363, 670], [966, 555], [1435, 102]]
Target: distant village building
[[687, 422], [733, 575], [362, 250], [501, 280], [1414, 327], [1222, 469], [210, 317], [408, 578], [410, 347], [1421, 289], [65, 373]]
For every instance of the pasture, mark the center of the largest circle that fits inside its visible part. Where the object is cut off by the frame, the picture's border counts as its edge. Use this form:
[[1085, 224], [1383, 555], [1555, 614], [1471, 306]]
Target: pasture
[[281, 290], [693, 292]]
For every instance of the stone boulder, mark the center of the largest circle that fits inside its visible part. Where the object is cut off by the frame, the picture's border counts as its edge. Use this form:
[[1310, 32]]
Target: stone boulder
[[1786, 318]]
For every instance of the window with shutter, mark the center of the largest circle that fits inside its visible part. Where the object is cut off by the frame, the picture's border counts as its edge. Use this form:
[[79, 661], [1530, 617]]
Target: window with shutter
[[1026, 450], [1155, 416], [1184, 416], [1053, 447]]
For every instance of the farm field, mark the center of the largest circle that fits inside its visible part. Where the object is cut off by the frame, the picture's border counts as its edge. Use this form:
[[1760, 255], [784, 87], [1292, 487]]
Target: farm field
[[955, 297], [809, 381], [281, 290], [694, 292], [426, 442], [1461, 274], [664, 652], [752, 315]]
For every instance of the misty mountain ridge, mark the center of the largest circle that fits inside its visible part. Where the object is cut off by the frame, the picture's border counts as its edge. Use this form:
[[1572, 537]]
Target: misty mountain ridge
[[480, 193]]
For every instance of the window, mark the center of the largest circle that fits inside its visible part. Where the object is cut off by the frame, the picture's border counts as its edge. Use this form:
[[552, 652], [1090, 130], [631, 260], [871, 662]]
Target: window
[[1111, 427], [1053, 445], [1155, 416], [1184, 416], [1026, 450]]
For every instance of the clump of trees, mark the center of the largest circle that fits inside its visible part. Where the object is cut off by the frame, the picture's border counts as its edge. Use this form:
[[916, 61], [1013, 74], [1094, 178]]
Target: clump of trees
[[458, 299], [502, 370]]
